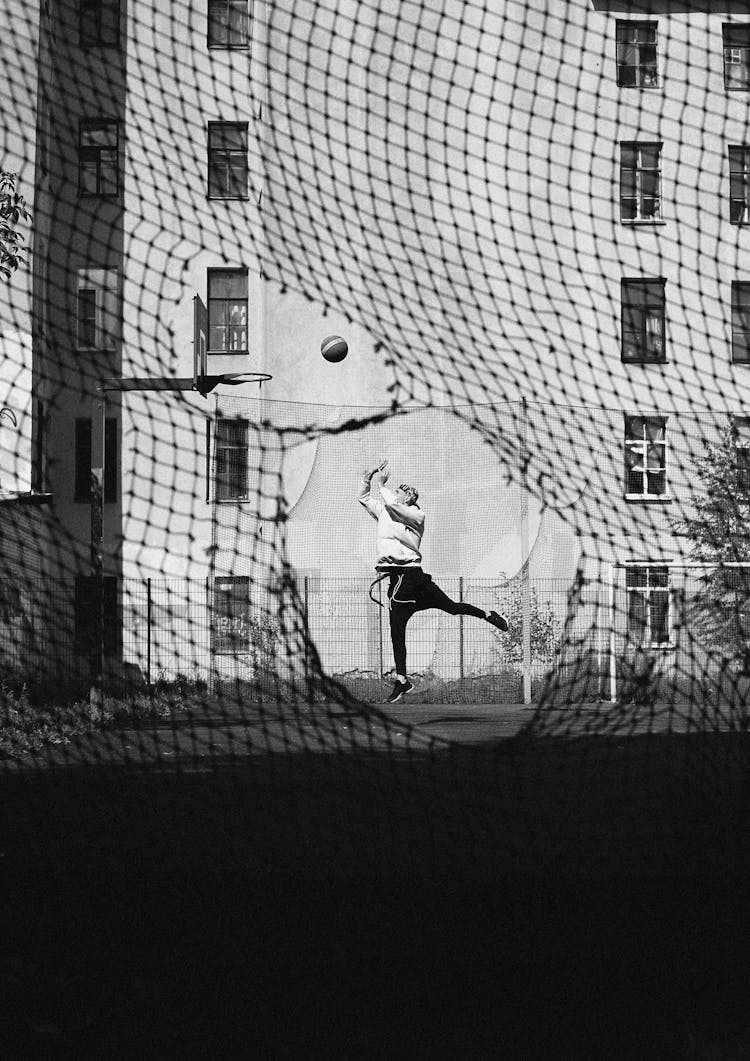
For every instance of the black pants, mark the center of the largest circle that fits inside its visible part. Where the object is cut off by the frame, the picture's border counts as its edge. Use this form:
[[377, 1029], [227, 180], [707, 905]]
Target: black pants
[[411, 591]]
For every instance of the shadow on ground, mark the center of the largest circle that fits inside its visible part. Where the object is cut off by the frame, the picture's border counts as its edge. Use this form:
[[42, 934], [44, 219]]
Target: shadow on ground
[[581, 899]]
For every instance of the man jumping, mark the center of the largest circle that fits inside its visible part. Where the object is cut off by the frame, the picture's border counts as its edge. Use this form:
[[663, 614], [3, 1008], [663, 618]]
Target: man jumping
[[410, 590]]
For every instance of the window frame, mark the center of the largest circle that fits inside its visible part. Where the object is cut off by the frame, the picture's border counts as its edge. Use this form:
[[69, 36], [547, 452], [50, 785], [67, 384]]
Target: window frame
[[224, 469], [640, 446], [639, 170], [741, 432], [231, 603], [650, 591], [95, 9], [738, 287], [227, 6], [212, 302], [639, 67], [93, 154], [212, 152], [82, 443], [647, 284], [106, 322], [727, 29], [739, 174]]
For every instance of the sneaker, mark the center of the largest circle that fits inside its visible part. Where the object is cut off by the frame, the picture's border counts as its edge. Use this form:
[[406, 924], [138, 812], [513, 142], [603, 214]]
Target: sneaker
[[498, 620], [399, 689]]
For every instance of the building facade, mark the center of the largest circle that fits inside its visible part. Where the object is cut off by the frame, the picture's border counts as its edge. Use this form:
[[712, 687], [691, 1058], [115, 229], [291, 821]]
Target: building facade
[[531, 223]]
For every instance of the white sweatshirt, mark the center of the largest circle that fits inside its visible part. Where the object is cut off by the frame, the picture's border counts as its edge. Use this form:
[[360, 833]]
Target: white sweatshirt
[[400, 528]]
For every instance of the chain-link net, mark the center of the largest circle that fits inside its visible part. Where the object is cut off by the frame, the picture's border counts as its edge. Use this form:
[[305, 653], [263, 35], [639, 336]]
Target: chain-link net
[[527, 220]]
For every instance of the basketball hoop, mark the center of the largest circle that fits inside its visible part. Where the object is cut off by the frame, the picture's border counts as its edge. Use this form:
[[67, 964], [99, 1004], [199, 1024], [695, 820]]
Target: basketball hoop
[[205, 384]]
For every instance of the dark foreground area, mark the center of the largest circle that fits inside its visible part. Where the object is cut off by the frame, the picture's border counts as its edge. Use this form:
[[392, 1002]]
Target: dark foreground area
[[583, 899]]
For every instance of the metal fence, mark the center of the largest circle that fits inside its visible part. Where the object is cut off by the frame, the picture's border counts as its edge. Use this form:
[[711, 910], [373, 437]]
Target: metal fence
[[233, 631], [585, 642]]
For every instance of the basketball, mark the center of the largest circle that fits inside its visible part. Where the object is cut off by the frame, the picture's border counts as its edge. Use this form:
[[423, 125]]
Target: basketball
[[334, 348]]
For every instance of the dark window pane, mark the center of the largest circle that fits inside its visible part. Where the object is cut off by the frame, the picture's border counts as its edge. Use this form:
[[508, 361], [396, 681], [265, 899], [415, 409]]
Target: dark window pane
[[231, 459], [628, 182], [237, 179], [626, 76], [740, 347], [82, 482], [628, 156], [634, 426], [650, 154], [110, 460], [737, 34], [648, 59], [217, 178], [656, 483], [659, 576], [636, 614], [650, 184], [87, 317], [636, 576], [655, 428], [227, 23], [237, 25], [659, 617], [230, 137], [232, 283]]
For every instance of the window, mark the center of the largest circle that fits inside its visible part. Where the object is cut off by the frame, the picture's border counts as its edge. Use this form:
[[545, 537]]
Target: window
[[231, 459], [739, 184], [741, 321], [227, 23], [640, 182], [643, 320], [645, 457], [98, 159], [98, 22], [97, 309], [636, 54], [39, 448], [647, 588], [82, 481], [227, 311], [85, 614], [736, 55], [227, 160], [231, 625], [741, 425]]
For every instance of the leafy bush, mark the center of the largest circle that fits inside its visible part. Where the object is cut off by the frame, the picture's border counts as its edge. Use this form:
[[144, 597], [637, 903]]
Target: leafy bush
[[26, 727]]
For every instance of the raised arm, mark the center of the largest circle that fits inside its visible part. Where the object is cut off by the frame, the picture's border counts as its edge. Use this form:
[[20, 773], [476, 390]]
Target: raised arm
[[373, 505]]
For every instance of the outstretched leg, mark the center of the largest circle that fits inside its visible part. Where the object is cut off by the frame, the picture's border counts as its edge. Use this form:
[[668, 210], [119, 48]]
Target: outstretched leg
[[434, 597]]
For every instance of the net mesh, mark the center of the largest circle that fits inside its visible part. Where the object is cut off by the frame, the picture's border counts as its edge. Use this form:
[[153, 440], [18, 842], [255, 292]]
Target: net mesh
[[526, 220]]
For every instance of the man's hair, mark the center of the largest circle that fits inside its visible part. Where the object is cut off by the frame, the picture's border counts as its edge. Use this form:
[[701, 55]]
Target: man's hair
[[411, 491]]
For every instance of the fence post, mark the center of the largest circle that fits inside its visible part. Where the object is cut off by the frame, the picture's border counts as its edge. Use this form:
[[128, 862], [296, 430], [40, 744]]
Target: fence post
[[148, 635], [461, 629], [380, 628], [525, 554], [612, 658], [306, 633]]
